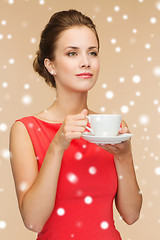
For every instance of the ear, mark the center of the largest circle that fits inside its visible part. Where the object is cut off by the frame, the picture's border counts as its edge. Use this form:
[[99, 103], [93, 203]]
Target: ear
[[49, 66]]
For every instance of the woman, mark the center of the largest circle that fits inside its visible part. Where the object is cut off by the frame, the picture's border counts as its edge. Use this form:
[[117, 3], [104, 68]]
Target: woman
[[66, 185]]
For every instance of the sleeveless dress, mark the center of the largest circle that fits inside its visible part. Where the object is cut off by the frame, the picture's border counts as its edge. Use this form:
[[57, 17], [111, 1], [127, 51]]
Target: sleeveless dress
[[87, 186]]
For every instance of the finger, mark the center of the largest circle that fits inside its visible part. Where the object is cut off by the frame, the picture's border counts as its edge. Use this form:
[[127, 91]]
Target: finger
[[82, 115], [82, 123], [73, 135], [123, 130], [74, 129], [79, 116], [108, 146], [85, 112]]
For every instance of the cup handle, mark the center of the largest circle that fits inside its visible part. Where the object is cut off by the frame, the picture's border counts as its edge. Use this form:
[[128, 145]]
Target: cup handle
[[88, 128]]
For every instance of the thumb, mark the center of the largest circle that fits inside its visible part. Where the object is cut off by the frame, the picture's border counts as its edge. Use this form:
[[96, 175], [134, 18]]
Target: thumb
[[85, 112]]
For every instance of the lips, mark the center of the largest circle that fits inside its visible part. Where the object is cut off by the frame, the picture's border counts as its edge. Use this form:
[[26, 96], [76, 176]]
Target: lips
[[85, 75]]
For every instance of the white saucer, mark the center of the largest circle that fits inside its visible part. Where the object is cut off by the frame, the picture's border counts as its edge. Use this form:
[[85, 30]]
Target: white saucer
[[106, 139]]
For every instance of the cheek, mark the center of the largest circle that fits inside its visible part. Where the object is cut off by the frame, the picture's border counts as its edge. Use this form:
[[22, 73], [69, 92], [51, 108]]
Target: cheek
[[96, 63], [97, 66], [68, 67]]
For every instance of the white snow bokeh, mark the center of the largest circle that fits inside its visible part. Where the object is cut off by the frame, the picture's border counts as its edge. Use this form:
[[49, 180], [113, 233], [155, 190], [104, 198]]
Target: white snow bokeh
[[109, 94], [157, 170], [3, 127], [125, 16], [109, 19], [26, 86], [124, 109], [11, 61], [23, 186], [113, 41], [72, 178], [78, 156], [144, 119], [3, 224], [92, 170], [4, 84], [153, 20], [136, 79], [157, 5], [11, 1], [27, 99], [116, 8], [88, 200], [60, 211], [156, 71], [104, 225], [5, 153], [118, 49], [4, 22], [147, 45], [41, 2]]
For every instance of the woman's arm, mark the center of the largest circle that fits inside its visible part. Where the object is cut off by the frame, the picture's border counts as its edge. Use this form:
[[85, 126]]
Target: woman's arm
[[36, 192], [128, 198]]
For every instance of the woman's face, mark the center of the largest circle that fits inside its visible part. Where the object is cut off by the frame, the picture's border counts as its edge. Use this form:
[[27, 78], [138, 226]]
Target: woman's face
[[76, 64]]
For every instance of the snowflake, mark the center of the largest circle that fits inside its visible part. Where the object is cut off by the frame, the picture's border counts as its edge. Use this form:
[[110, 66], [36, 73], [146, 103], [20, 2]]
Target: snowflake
[[124, 109], [136, 79], [144, 119], [109, 94], [104, 225], [88, 200], [60, 211], [3, 224], [92, 170], [78, 156], [27, 99], [72, 178], [157, 170], [3, 127], [23, 186], [109, 19], [153, 20]]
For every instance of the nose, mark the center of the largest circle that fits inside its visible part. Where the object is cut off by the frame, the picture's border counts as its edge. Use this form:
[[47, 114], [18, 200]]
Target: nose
[[84, 62]]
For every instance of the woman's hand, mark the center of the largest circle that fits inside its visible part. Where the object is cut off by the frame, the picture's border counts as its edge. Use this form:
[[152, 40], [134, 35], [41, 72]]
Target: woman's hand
[[72, 128], [121, 149]]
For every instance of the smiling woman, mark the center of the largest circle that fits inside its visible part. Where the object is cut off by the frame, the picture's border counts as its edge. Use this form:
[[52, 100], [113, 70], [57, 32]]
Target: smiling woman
[[66, 185]]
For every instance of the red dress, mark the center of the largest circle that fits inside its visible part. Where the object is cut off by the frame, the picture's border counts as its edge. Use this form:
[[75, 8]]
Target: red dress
[[86, 187]]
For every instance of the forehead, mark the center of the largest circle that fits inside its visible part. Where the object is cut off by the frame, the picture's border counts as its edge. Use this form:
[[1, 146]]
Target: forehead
[[77, 36]]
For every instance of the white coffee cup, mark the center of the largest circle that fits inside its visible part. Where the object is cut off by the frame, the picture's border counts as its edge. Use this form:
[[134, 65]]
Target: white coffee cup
[[104, 124]]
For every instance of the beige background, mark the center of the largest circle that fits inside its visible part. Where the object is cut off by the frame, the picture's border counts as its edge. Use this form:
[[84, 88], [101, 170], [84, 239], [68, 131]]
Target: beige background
[[129, 83]]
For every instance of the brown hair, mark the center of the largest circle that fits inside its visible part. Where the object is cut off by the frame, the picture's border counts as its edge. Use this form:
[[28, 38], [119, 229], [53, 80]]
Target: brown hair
[[59, 22]]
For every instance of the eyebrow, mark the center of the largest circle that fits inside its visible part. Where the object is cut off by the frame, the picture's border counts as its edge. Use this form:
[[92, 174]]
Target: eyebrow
[[92, 47]]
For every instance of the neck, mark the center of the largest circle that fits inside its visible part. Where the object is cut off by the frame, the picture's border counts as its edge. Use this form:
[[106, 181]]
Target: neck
[[69, 104]]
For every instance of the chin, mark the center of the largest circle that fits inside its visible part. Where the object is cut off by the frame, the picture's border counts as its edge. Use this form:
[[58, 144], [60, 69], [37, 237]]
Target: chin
[[88, 86]]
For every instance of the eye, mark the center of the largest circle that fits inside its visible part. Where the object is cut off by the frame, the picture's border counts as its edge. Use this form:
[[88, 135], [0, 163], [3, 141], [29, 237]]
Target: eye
[[72, 54], [93, 53]]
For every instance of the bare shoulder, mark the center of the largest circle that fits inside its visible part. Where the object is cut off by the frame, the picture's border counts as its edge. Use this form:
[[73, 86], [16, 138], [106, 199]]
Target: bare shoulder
[[19, 138], [17, 126], [20, 143], [18, 132]]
